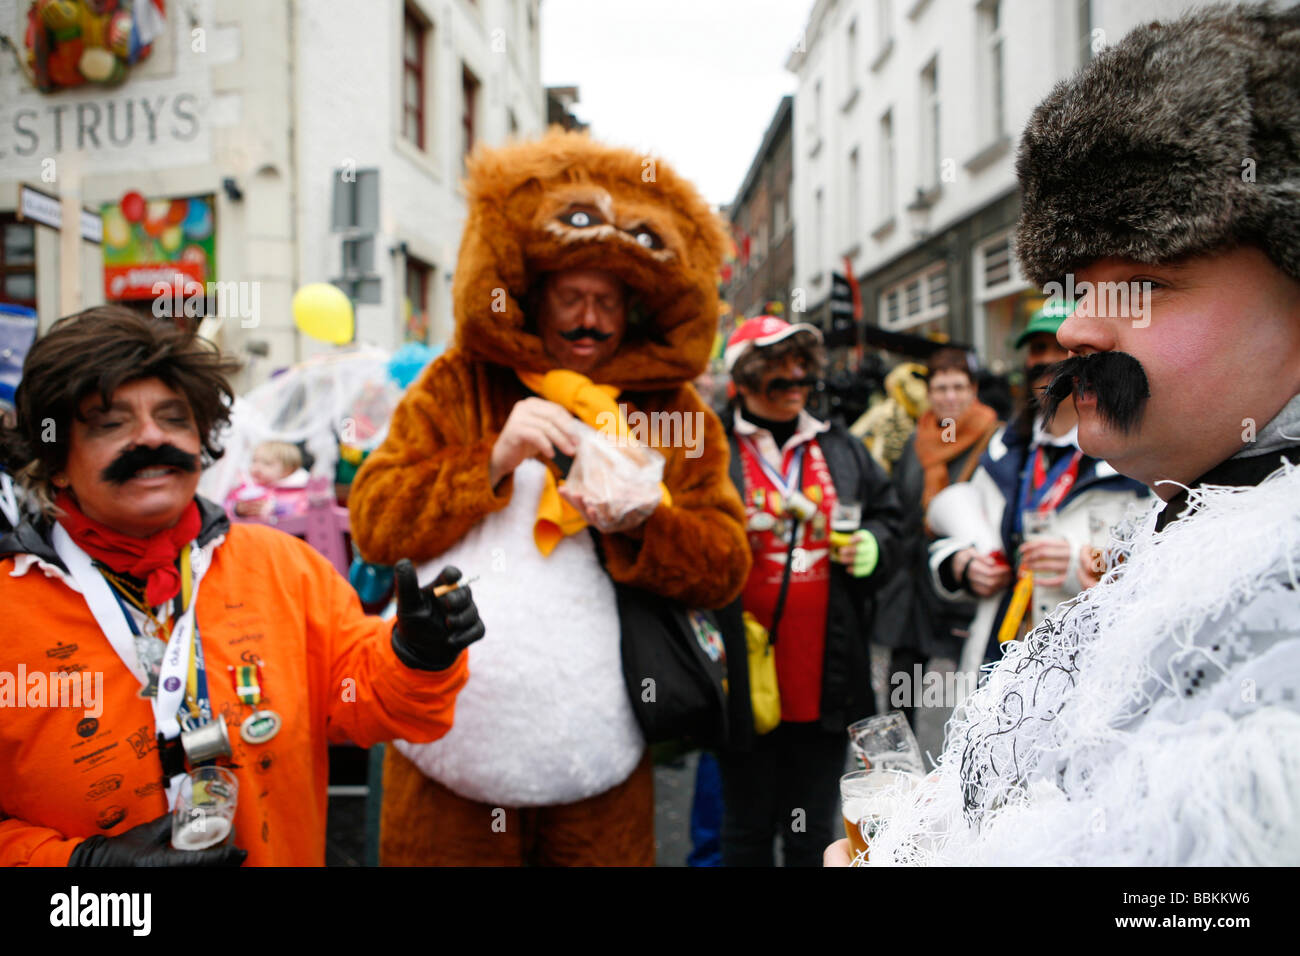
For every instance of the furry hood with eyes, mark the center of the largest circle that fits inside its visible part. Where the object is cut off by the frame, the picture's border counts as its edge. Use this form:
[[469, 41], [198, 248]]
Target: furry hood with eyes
[[566, 202]]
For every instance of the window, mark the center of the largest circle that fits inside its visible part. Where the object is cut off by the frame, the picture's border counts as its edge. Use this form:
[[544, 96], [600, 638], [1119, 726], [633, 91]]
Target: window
[[851, 60], [930, 124], [469, 85], [818, 224], [815, 229], [886, 189], [418, 275], [815, 121], [891, 307], [921, 297], [779, 219], [414, 43], [855, 200], [990, 60], [17, 262], [996, 271], [884, 23]]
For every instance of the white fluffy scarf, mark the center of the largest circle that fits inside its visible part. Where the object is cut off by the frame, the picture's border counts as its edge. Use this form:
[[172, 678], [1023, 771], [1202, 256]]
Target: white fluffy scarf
[[1154, 720]]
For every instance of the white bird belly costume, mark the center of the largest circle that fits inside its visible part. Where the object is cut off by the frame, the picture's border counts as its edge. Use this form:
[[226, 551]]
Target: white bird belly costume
[[545, 718]]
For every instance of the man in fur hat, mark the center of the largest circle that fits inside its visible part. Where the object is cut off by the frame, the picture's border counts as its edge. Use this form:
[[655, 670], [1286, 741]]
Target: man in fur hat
[[1155, 719], [586, 277]]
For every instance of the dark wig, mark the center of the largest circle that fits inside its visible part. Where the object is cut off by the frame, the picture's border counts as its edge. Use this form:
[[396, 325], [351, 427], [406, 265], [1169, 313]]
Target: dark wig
[[95, 352], [754, 363]]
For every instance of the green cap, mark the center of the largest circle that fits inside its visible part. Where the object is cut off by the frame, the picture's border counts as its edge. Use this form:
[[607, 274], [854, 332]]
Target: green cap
[[1047, 319]]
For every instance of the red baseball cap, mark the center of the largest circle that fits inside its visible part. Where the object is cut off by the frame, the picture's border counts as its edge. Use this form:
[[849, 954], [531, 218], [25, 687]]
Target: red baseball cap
[[761, 332]]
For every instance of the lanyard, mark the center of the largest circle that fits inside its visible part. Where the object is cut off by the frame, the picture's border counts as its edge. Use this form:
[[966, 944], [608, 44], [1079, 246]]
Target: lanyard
[[182, 660], [1047, 489], [789, 483], [8, 503]]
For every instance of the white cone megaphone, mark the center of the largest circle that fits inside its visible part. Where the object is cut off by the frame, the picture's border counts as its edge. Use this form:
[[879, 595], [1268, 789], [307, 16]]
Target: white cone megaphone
[[957, 512]]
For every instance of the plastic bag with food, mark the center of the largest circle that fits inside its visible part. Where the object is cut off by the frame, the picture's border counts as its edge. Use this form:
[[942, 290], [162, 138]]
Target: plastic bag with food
[[617, 481]]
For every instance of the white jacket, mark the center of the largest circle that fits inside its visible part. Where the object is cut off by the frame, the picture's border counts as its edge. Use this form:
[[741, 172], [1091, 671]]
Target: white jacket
[[1071, 522]]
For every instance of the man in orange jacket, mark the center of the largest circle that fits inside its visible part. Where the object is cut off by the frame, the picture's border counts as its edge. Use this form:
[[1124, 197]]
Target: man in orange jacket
[[145, 635]]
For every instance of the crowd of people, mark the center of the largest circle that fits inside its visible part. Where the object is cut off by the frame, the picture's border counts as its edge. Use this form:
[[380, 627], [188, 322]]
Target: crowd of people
[[1127, 598]]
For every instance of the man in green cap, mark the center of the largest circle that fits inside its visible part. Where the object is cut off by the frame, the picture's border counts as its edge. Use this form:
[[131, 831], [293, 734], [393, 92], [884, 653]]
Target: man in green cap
[[1048, 499]]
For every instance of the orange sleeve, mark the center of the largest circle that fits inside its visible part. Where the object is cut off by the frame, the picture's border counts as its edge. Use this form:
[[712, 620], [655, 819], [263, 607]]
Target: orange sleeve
[[26, 844], [427, 484], [370, 696], [694, 550]]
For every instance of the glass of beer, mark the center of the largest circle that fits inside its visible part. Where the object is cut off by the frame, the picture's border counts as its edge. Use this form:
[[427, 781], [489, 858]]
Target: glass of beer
[[846, 516], [205, 809], [867, 799], [886, 742]]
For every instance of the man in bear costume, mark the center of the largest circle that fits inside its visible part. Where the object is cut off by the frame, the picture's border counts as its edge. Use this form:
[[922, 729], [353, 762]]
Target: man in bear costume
[[585, 274]]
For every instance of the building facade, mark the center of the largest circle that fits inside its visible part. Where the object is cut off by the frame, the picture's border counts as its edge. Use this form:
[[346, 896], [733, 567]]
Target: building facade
[[762, 275], [907, 120], [259, 146]]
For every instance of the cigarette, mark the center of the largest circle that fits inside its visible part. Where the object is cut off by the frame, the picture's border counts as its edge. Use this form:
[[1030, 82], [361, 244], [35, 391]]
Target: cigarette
[[442, 589]]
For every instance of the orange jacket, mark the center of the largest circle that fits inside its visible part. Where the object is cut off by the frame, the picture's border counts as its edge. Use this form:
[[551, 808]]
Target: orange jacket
[[327, 669]]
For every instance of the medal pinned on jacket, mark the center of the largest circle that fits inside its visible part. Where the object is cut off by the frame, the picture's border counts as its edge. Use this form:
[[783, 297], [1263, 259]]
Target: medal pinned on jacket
[[261, 725]]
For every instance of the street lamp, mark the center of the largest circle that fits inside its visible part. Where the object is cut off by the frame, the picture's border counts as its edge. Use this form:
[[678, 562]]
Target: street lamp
[[918, 214]]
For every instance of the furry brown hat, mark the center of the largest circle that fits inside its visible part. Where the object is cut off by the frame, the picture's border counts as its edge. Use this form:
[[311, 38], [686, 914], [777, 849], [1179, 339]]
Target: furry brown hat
[[1182, 138], [566, 202]]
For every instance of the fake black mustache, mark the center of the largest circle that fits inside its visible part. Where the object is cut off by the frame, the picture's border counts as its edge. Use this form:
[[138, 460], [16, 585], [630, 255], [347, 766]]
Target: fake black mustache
[[139, 457], [1115, 379], [577, 335], [785, 384]]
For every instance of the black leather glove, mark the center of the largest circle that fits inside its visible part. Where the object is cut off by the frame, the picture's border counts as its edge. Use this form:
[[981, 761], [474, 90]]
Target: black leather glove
[[432, 631], [150, 844]]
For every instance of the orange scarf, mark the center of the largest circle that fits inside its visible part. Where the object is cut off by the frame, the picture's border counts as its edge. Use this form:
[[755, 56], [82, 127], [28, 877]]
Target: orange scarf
[[590, 403], [975, 426]]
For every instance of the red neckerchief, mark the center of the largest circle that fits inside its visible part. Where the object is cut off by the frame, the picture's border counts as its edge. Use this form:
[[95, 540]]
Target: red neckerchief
[[152, 558]]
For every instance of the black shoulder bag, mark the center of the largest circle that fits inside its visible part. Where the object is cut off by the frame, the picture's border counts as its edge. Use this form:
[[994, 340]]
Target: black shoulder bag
[[674, 666]]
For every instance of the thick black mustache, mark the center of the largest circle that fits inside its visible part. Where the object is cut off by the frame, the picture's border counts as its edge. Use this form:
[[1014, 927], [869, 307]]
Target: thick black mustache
[[1116, 379], [577, 335], [139, 457], [784, 384]]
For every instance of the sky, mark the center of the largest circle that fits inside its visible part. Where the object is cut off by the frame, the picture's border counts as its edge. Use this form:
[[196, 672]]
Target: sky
[[695, 82]]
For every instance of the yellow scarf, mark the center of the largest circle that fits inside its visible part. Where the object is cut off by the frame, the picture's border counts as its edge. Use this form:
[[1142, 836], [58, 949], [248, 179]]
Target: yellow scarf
[[590, 403]]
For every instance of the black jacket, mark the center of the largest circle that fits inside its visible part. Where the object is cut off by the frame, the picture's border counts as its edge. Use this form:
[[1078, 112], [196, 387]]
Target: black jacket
[[846, 671], [909, 612]]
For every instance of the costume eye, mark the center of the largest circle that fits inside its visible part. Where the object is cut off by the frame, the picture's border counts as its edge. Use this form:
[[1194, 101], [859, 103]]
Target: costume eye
[[581, 218], [647, 238]]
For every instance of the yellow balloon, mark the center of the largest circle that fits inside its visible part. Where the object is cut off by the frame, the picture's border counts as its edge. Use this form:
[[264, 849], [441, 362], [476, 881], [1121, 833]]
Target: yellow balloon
[[171, 239], [323, 312], [117, 231]]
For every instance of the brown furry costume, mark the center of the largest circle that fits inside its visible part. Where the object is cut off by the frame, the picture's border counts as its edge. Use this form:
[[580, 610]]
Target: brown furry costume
[[427, 486]]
